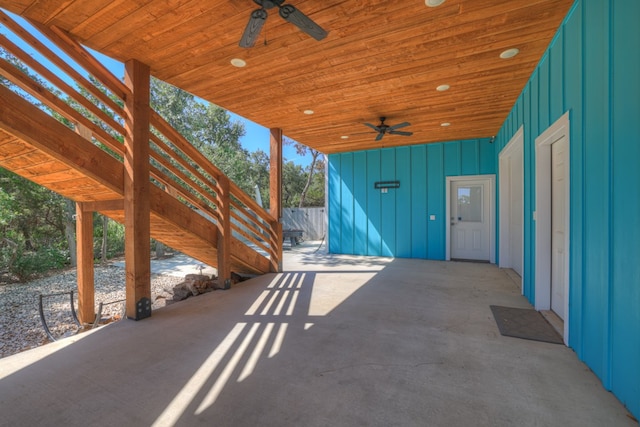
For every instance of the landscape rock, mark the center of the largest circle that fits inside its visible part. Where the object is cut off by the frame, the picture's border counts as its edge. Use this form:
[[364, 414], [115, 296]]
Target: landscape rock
[[193, 285]]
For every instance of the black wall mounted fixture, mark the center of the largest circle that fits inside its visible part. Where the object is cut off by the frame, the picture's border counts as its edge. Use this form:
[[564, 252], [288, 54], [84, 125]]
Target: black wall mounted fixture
[[386, 184]]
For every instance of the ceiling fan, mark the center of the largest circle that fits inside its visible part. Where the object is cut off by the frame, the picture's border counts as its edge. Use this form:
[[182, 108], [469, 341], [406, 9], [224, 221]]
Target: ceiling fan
[[383, 129], [287, 12]]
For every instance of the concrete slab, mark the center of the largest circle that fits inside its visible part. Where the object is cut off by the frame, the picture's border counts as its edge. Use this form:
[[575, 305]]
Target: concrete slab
[[178, 265], [335, 340]]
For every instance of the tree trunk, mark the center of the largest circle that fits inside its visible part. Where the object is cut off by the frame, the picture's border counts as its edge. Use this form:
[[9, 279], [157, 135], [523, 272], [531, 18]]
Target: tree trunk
[[70, 231], [312, 167], [159, 249], [105, 235], [14, 255]]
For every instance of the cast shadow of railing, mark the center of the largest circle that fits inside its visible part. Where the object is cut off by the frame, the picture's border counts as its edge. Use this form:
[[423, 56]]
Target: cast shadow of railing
[[258, 336]]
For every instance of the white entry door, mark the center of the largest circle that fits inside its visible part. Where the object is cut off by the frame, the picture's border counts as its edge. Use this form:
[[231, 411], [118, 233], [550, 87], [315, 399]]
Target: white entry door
[[470, 220], [558, 225], [552, 218], [512, 204]]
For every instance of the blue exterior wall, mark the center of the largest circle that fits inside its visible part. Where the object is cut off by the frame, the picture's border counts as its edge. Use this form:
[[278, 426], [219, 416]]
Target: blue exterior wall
[[592, 70], [365, 221]]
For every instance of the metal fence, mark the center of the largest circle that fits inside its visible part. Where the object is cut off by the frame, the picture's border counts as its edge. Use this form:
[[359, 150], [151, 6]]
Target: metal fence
[[310, 220]]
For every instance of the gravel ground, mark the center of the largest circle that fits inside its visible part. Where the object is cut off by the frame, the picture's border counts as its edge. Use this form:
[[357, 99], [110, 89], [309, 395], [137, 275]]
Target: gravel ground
[[20, 325]]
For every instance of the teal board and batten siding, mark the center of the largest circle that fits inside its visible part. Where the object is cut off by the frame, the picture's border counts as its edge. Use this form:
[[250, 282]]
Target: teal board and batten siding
[[592, 70], [365, 221]]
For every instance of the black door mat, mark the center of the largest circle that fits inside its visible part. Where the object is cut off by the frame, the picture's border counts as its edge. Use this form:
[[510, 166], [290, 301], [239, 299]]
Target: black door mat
[[525, 323]]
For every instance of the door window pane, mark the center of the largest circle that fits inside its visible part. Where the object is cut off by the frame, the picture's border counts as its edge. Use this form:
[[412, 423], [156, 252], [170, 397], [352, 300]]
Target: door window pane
[[470, 203]]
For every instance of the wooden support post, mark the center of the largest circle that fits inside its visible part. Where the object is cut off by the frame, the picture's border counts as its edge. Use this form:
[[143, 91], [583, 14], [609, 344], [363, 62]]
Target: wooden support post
[[275, 186], [224, 233], [278, 227], [84, 251], [136, 192]]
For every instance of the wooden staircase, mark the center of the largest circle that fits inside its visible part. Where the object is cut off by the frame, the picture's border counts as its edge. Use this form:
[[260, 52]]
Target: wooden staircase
[[78, 152], [41, 149]]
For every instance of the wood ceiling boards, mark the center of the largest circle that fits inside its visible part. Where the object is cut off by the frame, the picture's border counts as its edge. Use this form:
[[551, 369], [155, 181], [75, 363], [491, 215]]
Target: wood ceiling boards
[[380, 58]]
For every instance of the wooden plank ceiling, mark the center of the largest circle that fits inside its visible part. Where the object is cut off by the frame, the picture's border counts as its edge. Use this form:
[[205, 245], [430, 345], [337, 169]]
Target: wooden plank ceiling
[[381, 58]]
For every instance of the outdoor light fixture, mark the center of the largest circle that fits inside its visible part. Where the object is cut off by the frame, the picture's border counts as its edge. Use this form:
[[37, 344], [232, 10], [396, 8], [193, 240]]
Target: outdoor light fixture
[[509, 53]]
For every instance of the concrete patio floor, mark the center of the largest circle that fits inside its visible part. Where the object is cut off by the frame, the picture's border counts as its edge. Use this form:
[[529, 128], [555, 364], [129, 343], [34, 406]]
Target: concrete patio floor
[[332, 341]]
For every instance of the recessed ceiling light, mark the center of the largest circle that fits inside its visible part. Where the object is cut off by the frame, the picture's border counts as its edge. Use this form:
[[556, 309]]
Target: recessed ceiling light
[[237, 62], [345, 137], [442, 88], [445, 124], [308, 112], [433, 3], [509, 53]]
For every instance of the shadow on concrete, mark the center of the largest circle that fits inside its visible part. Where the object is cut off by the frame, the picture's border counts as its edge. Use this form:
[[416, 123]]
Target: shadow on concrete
[[408, 343]]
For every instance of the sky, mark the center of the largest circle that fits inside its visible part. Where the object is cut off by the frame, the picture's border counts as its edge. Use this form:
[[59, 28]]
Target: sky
[[256, 137]]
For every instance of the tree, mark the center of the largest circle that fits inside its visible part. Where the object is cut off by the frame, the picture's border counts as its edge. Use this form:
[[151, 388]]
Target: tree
[[293, 182], [259, 174], [32, 226], [303, 150], [33, 220], [207, 127], [316, 192]]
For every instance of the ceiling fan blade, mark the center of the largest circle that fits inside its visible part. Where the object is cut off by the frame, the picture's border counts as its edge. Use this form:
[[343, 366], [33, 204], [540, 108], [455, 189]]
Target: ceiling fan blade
[[374, 127], [251, 31], [302, 21], [399, 125], [379, 137], [399, 132]]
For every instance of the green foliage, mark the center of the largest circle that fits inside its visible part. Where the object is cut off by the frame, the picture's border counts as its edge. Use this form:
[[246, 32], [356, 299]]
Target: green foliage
[[115, 237], [208, 128], [315, 196], [293, 181], [29, 210], [34, 263]]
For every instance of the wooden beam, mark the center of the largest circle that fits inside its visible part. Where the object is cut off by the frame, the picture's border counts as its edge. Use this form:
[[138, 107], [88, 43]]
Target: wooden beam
[[103, 205], [25, 121], [275, 187], [84, 251], [224, 232], [136, 192]]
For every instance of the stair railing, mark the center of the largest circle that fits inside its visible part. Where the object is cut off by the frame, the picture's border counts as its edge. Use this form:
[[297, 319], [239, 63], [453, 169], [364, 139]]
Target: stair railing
[[89, 98]]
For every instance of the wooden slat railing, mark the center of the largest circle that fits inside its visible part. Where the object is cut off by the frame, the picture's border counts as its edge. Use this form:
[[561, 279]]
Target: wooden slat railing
[[176, 165]]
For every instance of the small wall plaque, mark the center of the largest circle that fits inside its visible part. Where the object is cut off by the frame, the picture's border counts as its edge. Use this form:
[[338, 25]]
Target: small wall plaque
[[386, 184]]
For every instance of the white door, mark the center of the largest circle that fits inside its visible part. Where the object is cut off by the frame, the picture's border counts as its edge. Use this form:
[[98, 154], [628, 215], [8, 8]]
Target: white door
[[552, 219], [516, 212], [558, 225], [470, 220], [512, 204]]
